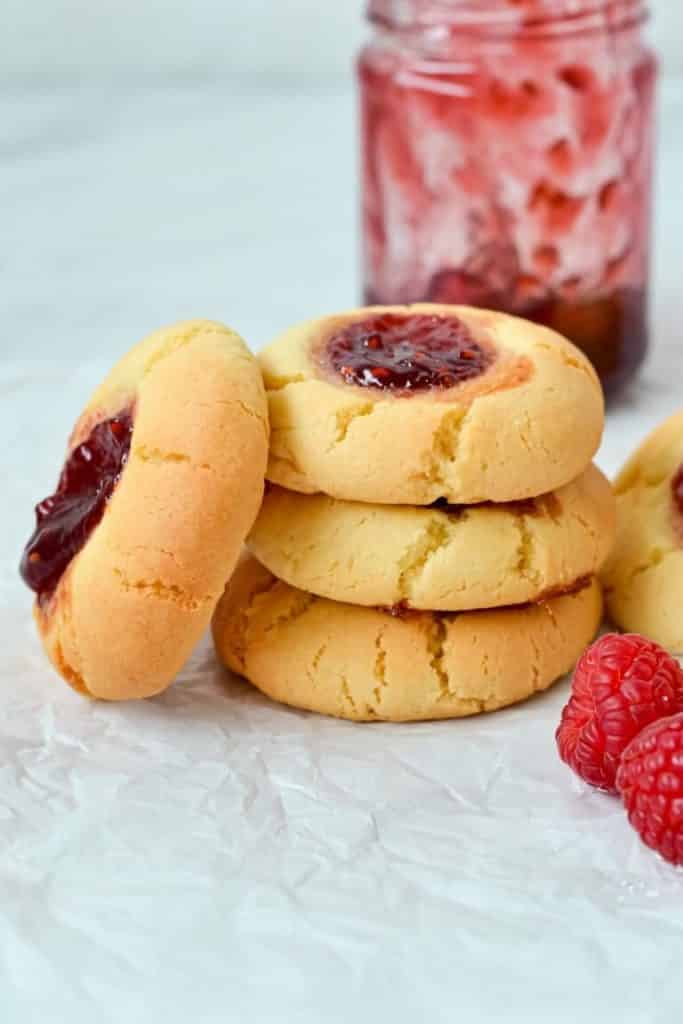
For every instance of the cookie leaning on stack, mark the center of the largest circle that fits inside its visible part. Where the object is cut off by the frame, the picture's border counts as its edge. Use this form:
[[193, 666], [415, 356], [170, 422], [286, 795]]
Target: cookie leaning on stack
[[391, 586], [162, 481]]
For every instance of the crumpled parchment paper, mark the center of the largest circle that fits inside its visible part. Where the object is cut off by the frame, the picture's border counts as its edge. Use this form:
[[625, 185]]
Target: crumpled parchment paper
[[210, 856]]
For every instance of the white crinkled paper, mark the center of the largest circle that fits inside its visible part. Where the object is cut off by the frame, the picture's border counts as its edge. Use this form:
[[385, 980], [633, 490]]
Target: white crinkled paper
[[210, 856]]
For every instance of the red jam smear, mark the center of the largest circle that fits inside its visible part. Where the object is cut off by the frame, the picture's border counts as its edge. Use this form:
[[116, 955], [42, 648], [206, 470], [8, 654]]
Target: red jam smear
[[524, 507], [544, 505], [65, 520], [418, 352], [677, 490]]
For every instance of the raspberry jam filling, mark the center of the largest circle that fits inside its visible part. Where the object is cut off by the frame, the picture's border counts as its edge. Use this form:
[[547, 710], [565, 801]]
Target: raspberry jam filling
[[677, 490], [406, 353], [526, 507], [65, 520], [544, 505]]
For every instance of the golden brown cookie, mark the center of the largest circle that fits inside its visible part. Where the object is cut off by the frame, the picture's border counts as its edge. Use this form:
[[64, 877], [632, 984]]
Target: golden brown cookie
[[644, 576], [439, 559], [407, 405], [369, 665], [163, 479]]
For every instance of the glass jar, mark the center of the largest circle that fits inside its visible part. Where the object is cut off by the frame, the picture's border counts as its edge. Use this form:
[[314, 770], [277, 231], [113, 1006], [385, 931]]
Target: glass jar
[[507, 162]]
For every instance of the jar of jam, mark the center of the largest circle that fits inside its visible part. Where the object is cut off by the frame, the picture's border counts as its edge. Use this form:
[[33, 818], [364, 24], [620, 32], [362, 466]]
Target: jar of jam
[[507, 163]]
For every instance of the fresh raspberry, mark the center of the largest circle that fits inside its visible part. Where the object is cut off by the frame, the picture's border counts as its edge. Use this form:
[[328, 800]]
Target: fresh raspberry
[[621, 685], [650, 780]]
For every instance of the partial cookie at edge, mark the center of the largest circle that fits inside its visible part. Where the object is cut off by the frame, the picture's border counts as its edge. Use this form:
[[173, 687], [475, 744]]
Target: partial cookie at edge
[[644, 576]]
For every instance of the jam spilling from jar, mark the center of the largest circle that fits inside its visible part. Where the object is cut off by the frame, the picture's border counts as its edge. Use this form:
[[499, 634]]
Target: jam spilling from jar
[[65, 520], [406, 353]]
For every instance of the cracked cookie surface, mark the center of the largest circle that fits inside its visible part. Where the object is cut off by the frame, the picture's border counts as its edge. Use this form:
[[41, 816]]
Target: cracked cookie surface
[[368, 665], [455, 559], [644, 576], [133, 602], [527, 424]]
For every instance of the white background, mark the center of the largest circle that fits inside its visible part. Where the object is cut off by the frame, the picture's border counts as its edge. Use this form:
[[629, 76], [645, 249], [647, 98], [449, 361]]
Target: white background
[[209, 857], [132, 37]]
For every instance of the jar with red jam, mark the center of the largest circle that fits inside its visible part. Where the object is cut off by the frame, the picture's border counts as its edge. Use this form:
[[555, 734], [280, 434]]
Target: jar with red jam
[[507, 163]]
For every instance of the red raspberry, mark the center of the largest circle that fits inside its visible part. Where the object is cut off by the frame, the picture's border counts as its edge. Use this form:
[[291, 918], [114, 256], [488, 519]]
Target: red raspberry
[[650, 780], [621, 684]]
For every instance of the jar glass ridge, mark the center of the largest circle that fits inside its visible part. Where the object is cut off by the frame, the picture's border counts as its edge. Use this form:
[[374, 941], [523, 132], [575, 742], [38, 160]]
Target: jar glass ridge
[[507, 162], [555, 16]]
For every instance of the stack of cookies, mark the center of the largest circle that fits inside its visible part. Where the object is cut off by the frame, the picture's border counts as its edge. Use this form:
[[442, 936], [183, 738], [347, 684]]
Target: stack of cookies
[[432, 526]]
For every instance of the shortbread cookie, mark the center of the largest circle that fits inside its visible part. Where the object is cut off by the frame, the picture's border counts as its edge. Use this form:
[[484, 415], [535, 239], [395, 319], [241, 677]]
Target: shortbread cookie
[[410, 404], [453, 558], [162, 481], [368, 665], [644, 576]]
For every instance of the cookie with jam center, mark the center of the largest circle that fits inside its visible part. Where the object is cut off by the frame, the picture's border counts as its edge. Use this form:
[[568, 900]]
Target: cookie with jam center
[[369, 664], [412, 404], [441, 558], [644, 576], [162, 481]]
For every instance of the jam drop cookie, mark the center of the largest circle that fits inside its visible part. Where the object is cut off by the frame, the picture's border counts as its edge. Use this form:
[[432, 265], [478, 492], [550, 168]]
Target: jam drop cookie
[[162, 481], [368, 665], [455, 558], [410, 404], [644, 576]]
